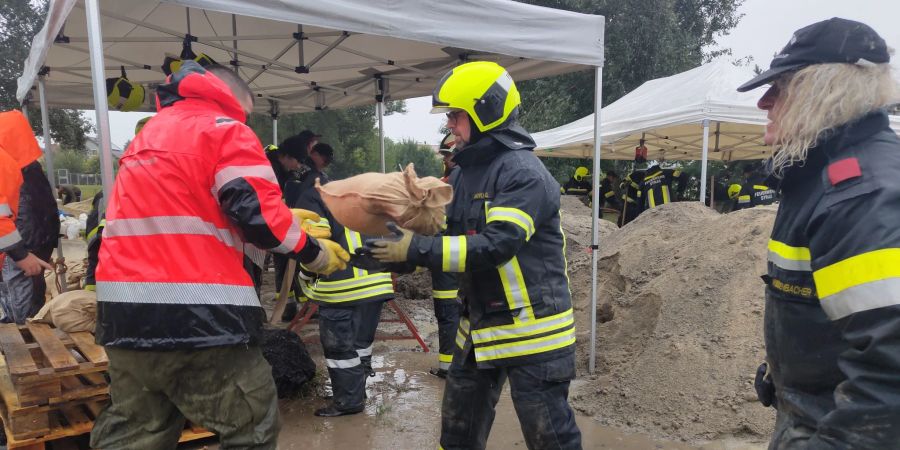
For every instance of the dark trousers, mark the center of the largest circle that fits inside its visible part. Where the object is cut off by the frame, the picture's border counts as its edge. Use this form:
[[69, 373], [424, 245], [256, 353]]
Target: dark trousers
[[447, 313], [539, 393], [347, 334], [21, 296], [227, 390]]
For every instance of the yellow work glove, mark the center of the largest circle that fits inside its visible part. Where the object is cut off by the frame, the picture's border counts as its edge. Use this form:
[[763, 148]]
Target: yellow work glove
[[332, 257], [310, 223], [391, 250]]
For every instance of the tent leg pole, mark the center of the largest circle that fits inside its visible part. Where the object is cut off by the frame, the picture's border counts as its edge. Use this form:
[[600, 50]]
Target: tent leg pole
[[274, 129], [51, 173], [595, 214], [380, 108], [95, 45], [705, 161]]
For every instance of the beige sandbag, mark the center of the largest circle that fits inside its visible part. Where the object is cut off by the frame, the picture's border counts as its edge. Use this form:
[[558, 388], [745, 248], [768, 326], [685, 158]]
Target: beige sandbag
[[364, 203], [70, 311]]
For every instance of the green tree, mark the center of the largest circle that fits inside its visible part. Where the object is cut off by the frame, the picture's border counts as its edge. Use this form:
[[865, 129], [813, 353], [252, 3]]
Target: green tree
[[20, 20], [92, 165], [71, 160], [399, 154]]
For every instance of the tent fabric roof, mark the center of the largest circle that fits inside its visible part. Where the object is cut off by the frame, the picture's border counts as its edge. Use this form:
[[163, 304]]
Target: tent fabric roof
[[668, 113], [331, 61]]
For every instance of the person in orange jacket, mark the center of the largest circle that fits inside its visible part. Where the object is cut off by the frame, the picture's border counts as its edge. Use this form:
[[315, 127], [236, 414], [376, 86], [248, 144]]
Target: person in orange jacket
[[19, 152]]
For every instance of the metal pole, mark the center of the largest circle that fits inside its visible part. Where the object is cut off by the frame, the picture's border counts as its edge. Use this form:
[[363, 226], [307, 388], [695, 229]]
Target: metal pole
[[234, 43], [705, 160], [45, 123], [380, 108], [595, 213], [274, 129], [51, 174], [95, 45]]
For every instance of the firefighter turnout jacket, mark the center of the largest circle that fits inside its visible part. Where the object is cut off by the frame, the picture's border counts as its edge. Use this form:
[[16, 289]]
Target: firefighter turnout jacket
[[755, 192], [191, 188], [832, 319], [504, 240], [657, 186], [345, 287]]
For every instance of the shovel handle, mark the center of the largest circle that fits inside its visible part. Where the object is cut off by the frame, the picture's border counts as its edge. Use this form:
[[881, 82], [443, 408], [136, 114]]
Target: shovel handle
[[280, 304]]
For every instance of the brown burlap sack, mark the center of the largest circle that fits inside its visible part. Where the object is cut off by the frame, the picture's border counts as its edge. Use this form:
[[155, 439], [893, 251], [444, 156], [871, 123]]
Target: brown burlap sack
[[70, 311], [364, 203]]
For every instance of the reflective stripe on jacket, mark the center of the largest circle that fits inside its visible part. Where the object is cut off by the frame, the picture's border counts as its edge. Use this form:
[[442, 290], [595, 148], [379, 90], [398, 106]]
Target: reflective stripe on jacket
[[657, 186], [833, 297], [192, 186], [505, 241]]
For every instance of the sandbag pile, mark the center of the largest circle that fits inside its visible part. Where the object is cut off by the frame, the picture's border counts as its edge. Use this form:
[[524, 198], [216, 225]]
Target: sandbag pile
[[364, 203]]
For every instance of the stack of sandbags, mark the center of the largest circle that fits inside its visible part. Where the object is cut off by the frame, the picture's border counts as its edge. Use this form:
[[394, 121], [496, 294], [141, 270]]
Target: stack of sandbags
[[364, 203]]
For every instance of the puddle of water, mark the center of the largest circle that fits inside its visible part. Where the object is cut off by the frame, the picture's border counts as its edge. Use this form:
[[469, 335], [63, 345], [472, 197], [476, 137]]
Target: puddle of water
[[403, 412]]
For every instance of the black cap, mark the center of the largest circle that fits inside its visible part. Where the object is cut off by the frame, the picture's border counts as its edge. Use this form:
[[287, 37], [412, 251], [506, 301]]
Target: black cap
[[297, 144], [834, 40], [325, 150]]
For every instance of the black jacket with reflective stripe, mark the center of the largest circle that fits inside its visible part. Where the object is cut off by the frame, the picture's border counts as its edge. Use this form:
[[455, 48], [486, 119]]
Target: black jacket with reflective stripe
[[755, 192], [657, 186], [832, 320], [504, 218], [345, 287]]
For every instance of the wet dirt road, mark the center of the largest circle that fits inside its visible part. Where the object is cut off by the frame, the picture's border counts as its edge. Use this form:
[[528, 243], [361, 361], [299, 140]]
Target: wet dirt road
[[403, 412]]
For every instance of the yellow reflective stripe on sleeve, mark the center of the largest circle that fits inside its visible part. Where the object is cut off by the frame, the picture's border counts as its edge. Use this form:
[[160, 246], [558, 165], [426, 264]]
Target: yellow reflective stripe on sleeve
[[462, 332], [516, 216], [857, 270], [651, 199], [744, 199], [515, 289], [760, 187], [524, 329], [453, 250], [525, 348], [448, 294], [354, 241], [788, 257], [665, 195], [609, 194]]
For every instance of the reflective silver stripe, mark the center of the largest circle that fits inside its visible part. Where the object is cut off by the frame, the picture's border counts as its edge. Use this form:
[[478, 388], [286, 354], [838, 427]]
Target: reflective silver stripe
[[353, 242], [516, 292], [176, 293], [454, 258], [256, 254], [523, 330], [4, 210], [234, 172], [789, 264], [150, 226], [863, 297], [340, 285], [444, 365], [365, 351], [342, 363], [530, 347], [291, 239], [359, 294], [10, 239], [462, 332], [512, 215]]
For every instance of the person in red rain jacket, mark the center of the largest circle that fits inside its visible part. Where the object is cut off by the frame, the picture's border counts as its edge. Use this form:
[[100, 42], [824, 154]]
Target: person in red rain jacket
[[177, 312]]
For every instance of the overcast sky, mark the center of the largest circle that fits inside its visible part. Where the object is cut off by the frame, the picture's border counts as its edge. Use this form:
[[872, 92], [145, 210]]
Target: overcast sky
[[765, 28]]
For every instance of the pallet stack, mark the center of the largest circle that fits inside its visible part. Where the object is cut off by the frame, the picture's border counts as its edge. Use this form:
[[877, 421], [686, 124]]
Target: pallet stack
[[53, 385]]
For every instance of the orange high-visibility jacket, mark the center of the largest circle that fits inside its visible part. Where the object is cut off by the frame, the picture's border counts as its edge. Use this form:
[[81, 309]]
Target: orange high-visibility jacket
[[18, 149]]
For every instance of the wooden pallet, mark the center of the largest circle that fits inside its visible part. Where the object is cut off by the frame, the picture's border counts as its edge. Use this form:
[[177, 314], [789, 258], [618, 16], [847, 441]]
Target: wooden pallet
[[38, 359]]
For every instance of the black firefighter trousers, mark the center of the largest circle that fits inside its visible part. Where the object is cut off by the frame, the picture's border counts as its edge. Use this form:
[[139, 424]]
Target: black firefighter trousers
[[539, 393], [347, 334]]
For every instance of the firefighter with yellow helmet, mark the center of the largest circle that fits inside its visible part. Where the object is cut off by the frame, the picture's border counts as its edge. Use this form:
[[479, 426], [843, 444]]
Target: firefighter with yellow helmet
[[579, 184], [504, 242]]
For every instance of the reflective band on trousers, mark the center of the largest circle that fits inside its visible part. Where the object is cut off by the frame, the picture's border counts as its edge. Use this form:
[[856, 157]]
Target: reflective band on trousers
[[524, 348], [514, 287], [157, 225], [176, 293], [788, 257], [348, 296], [342, 363], [5, 210], [365, 351], [10, 239], [449, 294], [521, 330], [454, 253], [512, 215]]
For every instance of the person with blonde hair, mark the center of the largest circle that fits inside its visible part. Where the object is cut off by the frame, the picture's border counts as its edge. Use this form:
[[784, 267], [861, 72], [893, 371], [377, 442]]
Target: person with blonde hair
[[832, 322]]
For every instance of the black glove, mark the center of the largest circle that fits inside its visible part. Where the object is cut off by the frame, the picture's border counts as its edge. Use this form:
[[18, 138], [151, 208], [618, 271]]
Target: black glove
[[765, 389], [362, 259]]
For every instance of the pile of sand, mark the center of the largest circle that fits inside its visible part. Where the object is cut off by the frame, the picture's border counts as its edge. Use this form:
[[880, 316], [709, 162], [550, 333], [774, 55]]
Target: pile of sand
[[679, 322]]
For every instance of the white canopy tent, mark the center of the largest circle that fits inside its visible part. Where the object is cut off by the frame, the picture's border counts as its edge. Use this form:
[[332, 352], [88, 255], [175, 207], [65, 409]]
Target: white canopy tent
[[301, 55]]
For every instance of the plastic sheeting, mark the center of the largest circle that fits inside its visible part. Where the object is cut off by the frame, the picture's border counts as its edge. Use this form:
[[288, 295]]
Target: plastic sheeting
[[346, 45]]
